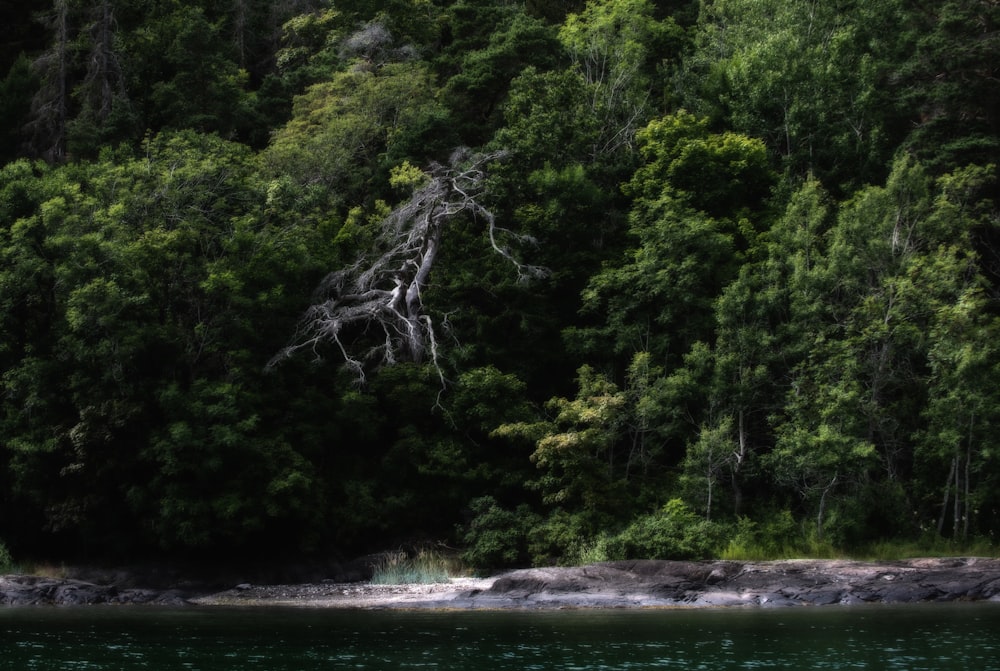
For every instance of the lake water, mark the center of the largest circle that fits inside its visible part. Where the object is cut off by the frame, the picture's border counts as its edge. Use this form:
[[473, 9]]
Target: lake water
[[935, 637]]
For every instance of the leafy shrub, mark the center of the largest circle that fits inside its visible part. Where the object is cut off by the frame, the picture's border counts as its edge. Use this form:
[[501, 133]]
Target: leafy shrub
[[497, 537], [594, 551], [6, 561], [673, 532], [777, 537], [560, 538]]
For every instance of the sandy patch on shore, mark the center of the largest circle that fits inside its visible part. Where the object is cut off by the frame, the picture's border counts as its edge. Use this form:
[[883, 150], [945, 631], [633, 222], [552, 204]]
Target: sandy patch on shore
[[344, 595]]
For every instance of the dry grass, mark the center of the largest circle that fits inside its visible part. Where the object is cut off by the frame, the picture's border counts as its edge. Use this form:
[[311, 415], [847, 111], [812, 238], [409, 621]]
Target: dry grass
[[424, 567]]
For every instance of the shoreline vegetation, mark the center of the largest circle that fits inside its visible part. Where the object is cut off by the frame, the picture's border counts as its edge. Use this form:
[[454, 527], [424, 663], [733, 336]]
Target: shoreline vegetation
[[552, 283], [621, 584]]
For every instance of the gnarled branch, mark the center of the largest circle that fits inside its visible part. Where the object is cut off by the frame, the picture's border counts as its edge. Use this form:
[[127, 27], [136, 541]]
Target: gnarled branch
[[384, 291]]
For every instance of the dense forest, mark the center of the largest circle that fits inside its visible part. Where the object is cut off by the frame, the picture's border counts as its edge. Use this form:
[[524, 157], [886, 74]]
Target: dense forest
[[542, 281]]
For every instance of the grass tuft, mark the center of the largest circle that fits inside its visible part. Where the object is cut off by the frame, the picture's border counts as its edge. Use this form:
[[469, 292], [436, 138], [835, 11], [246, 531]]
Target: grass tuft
[[930, 546], [736, 551], [425, 567]]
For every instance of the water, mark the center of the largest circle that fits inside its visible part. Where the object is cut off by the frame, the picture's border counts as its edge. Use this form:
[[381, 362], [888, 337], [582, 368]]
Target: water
[[935, 637]]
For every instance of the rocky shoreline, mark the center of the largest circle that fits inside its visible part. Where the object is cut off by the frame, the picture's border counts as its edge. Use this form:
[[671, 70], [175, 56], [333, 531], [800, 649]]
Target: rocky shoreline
[[624, 584], [761, 584]]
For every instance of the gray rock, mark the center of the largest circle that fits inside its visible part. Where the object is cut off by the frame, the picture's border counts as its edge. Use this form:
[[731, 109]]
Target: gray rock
[[625, 584], [770, 584], [24, 590]]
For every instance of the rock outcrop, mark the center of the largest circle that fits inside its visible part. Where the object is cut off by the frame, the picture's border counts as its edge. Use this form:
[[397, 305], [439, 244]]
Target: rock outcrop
[[27, 590], [732, 583], [167, 584], [623, 584]]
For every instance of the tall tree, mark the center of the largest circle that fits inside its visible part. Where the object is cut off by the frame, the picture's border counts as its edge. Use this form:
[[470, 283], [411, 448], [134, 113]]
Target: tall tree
[[947, 81], [896, 257], [16, 92], [612, 44], [104, 113], [145, 294], [804, 76], [696, 202]]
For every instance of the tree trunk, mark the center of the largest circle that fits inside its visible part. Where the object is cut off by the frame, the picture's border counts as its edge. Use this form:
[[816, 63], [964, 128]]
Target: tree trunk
[[737, 495], [708, 504], [968, 459], [944, 501], [104, 59], [416, 342], [965, 517], [822, 508], [740, 457], [958, 501], [241, 26]]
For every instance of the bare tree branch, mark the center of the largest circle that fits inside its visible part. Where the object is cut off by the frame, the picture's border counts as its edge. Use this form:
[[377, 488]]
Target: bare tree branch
[[384, 291]]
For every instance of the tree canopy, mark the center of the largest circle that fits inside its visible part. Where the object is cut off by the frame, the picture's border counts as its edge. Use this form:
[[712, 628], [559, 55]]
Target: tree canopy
[[542, 281]]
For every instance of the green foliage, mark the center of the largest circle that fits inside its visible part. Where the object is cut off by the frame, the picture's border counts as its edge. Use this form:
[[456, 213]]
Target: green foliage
[[308, 45], [159, 289], [673, 532], [777, 536], [723, 175], [562, 537], [686, 247], [611, 43], [792, 73], [928, 545], [947, 84], [575, 451], [497, 537], [16, 90], [486, 66], [341, 129], [6, 561], [547, 120], [748, 302]]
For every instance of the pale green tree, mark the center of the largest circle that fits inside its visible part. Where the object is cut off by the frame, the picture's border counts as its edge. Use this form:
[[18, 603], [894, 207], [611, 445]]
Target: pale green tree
[[805, 76], [612, 44], [888, 308]]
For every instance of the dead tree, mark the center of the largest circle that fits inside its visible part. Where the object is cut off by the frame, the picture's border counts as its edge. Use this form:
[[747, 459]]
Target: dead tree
[[382, 293], [49, 108]]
